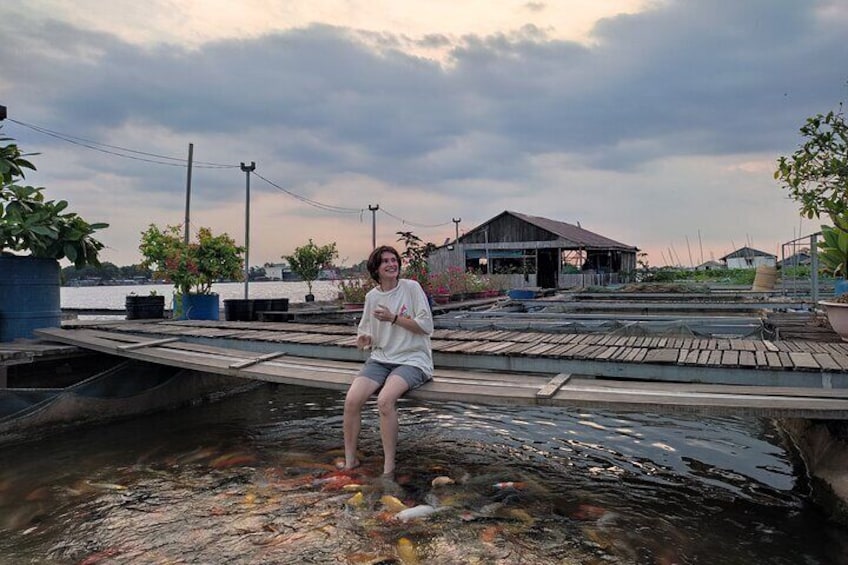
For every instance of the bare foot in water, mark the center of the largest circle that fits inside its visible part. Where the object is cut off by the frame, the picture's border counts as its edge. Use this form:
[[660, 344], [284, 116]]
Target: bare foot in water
[[342, 465]]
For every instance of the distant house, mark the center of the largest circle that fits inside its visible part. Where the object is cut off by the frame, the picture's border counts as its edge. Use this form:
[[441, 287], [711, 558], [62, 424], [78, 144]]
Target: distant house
[[748, 258], [279, 272], [800, 259], [542, 252], [710, 266]]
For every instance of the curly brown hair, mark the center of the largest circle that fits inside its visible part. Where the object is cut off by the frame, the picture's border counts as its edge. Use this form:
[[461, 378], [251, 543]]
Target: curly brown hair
[[376, 258]]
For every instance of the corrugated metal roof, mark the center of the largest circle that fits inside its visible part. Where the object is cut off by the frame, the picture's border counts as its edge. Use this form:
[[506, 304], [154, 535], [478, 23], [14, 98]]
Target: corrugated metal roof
[[571, 232], [747, 252]]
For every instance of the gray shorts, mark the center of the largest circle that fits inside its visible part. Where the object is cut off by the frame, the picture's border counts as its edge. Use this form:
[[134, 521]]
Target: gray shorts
[[379, 372]]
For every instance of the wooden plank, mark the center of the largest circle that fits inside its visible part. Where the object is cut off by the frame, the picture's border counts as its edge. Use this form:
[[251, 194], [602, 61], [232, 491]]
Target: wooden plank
[[803, 360], [826, 362], [664, 355], [151, 343], [760, 357], [255, 360], [714, 359], [773, 360], [607, 353], [785, 360], [729, 358], [552, 386], [692, 357], [703, 356], [504, 388], [747, 359]]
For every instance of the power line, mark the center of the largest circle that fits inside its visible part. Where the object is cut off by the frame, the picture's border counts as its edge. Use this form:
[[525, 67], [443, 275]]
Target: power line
[[114, 149], [315, 203], [413, 224], [158, 159]]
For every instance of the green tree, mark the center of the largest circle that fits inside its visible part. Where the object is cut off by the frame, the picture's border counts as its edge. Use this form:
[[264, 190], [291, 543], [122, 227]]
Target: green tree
[[192, 267], [816, 175], [308, 260], [415, 255], [30, 223]]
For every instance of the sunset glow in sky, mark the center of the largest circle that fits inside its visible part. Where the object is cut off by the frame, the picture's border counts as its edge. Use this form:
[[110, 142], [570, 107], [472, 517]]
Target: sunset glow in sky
[[654, 123]]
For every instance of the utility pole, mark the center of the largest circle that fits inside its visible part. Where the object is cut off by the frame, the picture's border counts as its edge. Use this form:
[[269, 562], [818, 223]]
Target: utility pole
[[456, 221], [188, 190], [374, 209], [247, 170]]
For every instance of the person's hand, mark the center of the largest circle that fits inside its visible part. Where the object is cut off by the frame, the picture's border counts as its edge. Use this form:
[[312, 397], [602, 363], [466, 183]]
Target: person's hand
[[383, 314], [363, 341]]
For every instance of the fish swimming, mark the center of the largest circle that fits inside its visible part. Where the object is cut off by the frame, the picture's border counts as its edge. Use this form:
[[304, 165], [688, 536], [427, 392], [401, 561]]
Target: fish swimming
[[420, 511]]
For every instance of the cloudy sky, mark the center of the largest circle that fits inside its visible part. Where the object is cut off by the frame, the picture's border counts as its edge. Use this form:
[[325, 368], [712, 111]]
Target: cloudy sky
[[654, 123]]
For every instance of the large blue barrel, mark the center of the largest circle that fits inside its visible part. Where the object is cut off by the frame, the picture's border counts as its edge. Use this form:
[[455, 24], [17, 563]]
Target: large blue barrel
[[197, 307], [29, 296]]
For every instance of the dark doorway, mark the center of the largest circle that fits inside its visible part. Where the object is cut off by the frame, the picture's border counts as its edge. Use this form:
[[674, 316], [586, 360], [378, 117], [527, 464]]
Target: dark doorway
[[546, 274]]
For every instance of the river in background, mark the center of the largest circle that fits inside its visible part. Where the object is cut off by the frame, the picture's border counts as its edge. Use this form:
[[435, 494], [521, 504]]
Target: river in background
[[114, 297], [251, 479]]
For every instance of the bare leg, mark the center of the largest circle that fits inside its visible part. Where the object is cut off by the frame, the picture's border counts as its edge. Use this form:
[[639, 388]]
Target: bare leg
[[394, 388], [360, 390]]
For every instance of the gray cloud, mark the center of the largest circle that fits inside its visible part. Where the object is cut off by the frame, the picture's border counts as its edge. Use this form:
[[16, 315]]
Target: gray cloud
[[695, 78]]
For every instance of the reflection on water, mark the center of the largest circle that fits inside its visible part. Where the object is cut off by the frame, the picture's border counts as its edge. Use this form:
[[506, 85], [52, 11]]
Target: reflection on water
[[252, 480]]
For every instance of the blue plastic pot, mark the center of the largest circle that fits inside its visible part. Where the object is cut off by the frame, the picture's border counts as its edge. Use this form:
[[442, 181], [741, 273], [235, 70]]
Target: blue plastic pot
[[197, 307]]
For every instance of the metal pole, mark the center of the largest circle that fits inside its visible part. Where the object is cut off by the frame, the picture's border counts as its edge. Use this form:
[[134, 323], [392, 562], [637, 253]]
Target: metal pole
[[488, 266], [814, 269], [374, 209], [188, 191], [456, 221], [247, 170]]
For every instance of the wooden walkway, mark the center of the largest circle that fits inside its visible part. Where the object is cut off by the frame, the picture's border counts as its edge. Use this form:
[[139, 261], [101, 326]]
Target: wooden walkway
[[783, 378]]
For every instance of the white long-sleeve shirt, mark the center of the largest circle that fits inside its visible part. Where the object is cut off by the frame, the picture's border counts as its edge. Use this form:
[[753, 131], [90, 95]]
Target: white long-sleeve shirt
[[391, 343]]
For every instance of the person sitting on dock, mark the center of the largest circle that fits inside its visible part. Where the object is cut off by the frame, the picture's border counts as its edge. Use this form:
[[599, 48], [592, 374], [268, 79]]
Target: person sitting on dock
[[396, 325]]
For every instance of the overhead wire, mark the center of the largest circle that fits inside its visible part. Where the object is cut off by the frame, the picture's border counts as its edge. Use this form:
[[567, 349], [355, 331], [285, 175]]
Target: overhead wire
[[413, 224], [114, 149], [315, 203], [159, 159]]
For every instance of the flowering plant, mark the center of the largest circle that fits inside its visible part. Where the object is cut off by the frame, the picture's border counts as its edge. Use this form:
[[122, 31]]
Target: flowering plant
[[192, 267], [354, 290]]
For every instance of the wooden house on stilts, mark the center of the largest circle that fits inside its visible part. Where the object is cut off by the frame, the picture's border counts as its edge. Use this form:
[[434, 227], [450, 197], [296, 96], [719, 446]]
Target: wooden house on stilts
[[530, 251]]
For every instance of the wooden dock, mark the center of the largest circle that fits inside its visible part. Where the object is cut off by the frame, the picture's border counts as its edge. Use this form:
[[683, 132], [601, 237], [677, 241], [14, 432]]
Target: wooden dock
[[760, 377]]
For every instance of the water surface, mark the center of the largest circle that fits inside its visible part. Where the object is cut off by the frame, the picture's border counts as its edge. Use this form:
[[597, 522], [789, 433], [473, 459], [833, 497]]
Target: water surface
[[251, 480]]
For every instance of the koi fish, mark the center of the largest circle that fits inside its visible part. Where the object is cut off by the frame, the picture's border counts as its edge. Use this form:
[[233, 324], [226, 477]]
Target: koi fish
[[106, 486], [392, 503], [588, 512], [357, 499], [333, 482], [406, 552], [420, 511], [442, 481], [232, 460], [509, 484]]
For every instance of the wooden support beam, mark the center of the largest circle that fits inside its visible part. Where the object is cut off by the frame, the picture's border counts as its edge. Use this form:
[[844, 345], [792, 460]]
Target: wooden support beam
[[552, 386], [139, 345], [255, 360]]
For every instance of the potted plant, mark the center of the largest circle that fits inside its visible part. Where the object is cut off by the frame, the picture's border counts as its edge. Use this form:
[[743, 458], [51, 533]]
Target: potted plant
[[192, 267], [45, 232], [816, 176], [353, 291], [144, 307], [308, 260]]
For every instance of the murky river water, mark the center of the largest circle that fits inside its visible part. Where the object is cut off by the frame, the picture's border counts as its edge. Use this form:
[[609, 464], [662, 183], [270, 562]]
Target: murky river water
[[250, 479]]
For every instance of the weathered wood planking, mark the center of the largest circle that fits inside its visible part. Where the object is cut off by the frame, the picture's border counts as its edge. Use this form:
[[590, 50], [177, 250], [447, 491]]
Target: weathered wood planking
[[800, 355], [476, 386]]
